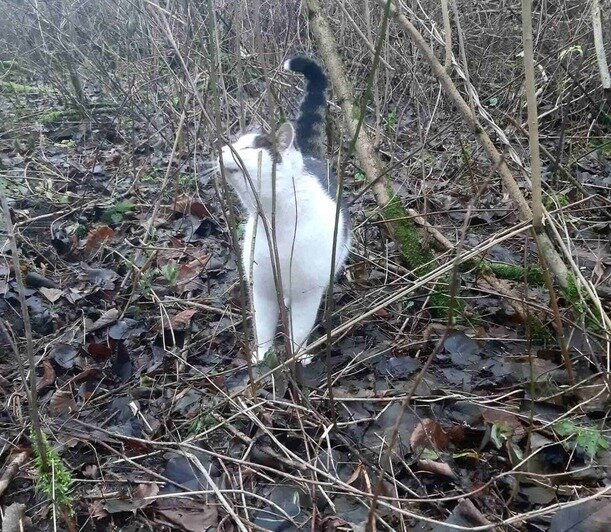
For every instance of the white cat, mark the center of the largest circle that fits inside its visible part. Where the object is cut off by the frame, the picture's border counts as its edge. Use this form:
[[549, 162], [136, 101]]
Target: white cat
[[305, 208]]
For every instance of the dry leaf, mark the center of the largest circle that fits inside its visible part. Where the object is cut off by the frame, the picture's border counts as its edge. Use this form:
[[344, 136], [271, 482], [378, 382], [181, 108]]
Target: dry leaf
[[142, 496], [48, 376], [187, 516], [51, 294], [437, 468], [428, 433], [185, 204], [62, 403], [182, 319], [97, 237], [110, 316], [504, 419]]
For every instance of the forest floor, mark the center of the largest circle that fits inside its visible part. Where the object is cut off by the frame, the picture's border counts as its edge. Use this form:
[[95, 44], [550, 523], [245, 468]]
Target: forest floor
[[144, 391]]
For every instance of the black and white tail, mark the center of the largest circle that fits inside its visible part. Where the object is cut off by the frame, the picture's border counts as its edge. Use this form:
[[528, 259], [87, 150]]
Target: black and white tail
[[310, 125]]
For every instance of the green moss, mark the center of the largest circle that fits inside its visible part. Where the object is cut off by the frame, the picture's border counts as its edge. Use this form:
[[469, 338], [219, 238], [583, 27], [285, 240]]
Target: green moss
[[571, 292], [18, 88], [415, 257], [55, 115], [577, 301], [439, 303], [556, 200], [50, 116], [511, 272], [538, 331], [55, 483]]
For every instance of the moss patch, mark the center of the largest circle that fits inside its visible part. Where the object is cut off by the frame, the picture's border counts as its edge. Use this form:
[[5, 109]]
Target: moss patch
[[538, 331], [55, 115], [415, 257], [578, 301], [10, 87], [511, 272]]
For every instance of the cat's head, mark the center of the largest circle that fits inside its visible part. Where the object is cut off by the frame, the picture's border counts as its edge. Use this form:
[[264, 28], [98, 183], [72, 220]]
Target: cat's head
[[258, 154]]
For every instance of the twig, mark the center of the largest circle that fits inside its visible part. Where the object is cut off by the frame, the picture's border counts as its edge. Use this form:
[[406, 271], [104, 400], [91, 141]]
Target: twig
[[552, 257], [599, 45], [533, 122], [27, 326]]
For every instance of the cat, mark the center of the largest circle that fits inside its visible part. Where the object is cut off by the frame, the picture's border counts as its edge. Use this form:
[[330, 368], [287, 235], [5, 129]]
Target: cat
[[305, 209]]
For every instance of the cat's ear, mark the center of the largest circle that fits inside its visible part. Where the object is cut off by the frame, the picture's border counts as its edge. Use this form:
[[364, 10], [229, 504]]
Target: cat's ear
[[285, 136]]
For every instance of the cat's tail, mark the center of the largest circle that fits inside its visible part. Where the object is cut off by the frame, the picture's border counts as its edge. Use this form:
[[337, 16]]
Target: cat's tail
[[310, 124]]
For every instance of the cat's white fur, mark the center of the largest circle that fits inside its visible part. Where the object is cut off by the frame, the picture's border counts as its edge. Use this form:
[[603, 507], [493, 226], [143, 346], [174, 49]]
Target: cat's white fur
[[304, 221]]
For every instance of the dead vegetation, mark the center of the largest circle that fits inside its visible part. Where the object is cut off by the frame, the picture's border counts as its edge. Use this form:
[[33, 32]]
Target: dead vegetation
[[467, 382]]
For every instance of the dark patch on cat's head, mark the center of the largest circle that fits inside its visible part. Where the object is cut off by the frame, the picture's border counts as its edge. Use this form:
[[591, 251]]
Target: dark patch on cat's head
[[264, 142]]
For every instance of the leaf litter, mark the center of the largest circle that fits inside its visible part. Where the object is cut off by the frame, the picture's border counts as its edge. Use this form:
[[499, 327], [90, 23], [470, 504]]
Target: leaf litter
[[141, 359]]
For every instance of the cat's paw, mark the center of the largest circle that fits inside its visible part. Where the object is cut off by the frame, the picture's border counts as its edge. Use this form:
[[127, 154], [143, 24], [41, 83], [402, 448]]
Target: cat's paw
[[305, 359], [258, 356]]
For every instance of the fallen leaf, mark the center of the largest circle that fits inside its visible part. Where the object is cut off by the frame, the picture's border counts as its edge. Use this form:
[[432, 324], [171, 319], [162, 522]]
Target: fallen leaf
[[51, 294], [397, 367], [185, 204], [188, 515], [182, 320], [64, 355], [125, 328], [97, 237], [99, 352], [14, 519], [36, 280], [142, 496], [591, 516], [91, 471], [463, 350], [48, 376], [123, 366], [14, 463], [428, 433], [465, 514], [62, 402], [437, 468], [101, 277], [504, 419], [110, 316]]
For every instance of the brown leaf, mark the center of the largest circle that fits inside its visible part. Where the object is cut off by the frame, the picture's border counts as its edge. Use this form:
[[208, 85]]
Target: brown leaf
[[428, 433], [97, 237], [99, 352], [182, 319], [437, 468], [184, 514], [185, 204], [504, 419], [187, 278], [51, 294], [142, 496], [62, 403], [48, 376], [97, 510]]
